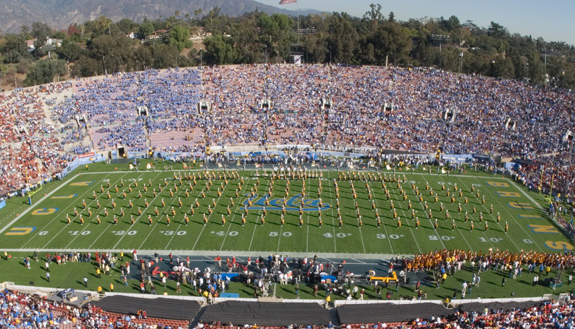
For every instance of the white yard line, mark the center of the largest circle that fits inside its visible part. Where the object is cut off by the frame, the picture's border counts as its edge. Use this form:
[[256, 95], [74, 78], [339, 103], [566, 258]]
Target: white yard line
[[85, 228], [106, 229], [429, 219], [39, 201], [67, 227], [138, 218], [517, 222], [406, 218], [494, 221], [329, 182], [237, 207]]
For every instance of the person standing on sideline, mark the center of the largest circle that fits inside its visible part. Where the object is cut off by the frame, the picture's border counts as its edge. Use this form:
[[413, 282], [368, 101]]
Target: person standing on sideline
[[86, 282], [48, 276]]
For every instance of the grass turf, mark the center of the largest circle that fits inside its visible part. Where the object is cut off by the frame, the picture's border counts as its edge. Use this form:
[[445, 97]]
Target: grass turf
[[529, 227], [71, 274]]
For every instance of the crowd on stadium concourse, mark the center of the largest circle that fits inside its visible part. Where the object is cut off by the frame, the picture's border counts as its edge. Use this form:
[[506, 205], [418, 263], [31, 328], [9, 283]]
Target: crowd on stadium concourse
[[21, 310], [327, 106]]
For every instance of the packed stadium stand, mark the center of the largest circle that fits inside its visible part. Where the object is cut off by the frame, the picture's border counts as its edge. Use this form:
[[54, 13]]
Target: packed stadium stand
[[326, 107]]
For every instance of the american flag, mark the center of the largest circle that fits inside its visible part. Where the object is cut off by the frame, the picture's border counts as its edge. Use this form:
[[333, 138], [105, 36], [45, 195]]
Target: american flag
[[286, 2]]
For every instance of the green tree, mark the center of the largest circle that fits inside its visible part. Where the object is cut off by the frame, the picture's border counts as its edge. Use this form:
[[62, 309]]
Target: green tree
[[496, 30], [344, 39], [146, 28], [373, 16], [143, 58], [392, 42], [219, 50], [114, 52], [178, 36], [40, 32], [252, 45], [44, 71], [86, 67], [126, 25], [14, 48], [69, 51], [165, 56]]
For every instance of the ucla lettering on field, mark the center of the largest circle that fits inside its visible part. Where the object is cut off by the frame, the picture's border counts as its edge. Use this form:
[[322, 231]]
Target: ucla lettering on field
[[88, 183], [506, 194], [71, 196], [558, 245], [21, 230], [292, 204], [497, 184], [548, 229], [520, 205], [530, 216], [44, 211]]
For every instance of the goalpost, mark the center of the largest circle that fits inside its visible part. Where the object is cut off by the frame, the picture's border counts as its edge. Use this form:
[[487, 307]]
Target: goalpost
[[31, 193]]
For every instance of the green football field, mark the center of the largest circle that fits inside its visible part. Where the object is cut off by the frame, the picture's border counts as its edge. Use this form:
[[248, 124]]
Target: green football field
[[44, 225]]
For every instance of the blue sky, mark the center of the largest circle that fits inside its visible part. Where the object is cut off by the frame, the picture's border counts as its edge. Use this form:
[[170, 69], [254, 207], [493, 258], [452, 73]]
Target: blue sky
[[553, 20]]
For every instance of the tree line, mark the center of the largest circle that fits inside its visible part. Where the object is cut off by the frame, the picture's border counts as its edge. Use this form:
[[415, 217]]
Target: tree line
[[101, 46]]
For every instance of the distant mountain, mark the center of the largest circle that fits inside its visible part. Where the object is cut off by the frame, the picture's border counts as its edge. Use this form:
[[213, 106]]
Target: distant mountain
[[61, 13]]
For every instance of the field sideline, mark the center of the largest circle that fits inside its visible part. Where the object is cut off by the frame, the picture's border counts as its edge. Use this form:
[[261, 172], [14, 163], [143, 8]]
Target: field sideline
[[43, 226]]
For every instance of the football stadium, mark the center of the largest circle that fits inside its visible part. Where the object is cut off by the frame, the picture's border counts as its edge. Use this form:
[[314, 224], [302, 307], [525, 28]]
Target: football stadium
[[207, 197], [286, 196]]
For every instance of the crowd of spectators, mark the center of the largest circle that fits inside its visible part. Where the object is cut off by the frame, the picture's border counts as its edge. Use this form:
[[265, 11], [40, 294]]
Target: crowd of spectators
[[29, 148], [21, 310], [324, 106]]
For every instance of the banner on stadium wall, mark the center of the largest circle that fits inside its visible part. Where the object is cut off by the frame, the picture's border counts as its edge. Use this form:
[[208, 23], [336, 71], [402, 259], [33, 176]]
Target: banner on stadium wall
[[293, 146], [80, 161], [2, 204], [460, 158], [137, 155], [87, 155]]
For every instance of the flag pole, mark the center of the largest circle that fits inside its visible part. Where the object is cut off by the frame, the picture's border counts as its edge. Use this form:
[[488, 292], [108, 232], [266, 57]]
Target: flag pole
[[297, 4]]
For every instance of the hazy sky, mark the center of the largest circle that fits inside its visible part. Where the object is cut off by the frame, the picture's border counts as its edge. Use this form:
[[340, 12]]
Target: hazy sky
[[553, 20]]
